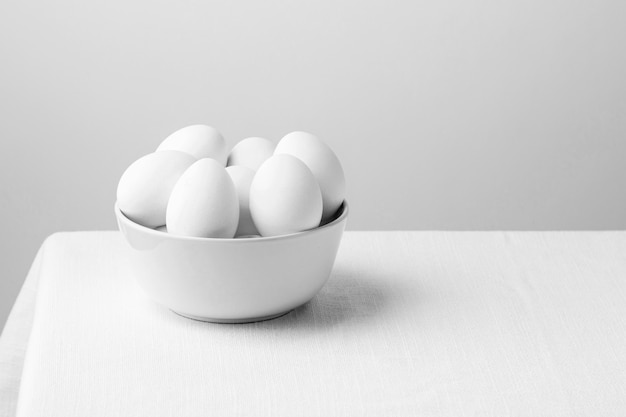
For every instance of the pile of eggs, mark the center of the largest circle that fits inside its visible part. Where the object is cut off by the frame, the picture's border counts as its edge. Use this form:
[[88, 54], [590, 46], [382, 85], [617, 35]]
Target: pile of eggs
[[192, 186]]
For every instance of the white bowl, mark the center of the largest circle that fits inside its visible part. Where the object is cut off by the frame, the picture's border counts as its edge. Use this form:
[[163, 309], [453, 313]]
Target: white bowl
[[233, 280]]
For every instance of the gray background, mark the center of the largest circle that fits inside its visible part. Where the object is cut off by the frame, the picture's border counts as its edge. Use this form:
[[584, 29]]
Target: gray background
[[445, 114]]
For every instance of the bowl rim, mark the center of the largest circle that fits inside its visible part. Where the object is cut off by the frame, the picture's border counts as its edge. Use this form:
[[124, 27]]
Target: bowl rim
[[163, 235]]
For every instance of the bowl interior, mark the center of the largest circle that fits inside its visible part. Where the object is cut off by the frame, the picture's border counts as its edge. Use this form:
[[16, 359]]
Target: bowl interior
[[340, 215]]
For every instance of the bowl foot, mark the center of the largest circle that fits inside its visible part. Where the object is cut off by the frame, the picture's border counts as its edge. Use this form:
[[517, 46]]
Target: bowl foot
[[233, 321]]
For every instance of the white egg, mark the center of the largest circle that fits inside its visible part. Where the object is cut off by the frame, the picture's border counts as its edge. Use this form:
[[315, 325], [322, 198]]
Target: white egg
[[204, 202], [322, 162], [201, 141], [242, 178], [251, 152], [145, 187], [285, 197]]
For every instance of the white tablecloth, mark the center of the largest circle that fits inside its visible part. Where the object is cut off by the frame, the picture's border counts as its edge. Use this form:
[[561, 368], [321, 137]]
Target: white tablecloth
[[14, 340], [410, 323]]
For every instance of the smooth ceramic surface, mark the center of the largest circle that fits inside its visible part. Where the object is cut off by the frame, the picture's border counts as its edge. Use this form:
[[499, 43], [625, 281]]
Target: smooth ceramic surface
[[233, 280]]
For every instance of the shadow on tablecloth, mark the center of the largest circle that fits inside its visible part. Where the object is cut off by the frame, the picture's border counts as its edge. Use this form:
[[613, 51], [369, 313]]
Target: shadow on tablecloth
[[346, 297]]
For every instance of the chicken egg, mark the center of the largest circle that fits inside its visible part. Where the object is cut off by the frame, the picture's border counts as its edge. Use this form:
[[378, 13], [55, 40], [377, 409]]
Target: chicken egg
[[322, 162], [200, 141], [145, 187], [251, 152], [242, 179], [284, 197], [203, 202]]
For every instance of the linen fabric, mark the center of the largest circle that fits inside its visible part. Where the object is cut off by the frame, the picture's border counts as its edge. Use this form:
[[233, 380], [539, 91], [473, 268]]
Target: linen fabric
[[14, 340], [410, 323]]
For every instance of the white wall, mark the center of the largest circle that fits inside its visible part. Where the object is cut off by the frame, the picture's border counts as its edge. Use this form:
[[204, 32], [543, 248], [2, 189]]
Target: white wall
[[446, 114]]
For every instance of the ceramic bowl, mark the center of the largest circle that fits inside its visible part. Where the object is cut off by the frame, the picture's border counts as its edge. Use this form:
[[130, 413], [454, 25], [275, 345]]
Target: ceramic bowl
[[233, 280]]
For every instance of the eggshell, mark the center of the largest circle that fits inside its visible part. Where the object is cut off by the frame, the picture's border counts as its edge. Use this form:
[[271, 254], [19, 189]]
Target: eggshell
[[284, 197], [145, 187], [322, 162], [200, 141], [203, 202], [242, 179], [251, 152]]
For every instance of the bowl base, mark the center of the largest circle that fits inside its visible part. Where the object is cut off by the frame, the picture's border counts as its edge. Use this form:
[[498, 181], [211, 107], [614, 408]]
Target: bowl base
[[233, 321]]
